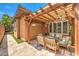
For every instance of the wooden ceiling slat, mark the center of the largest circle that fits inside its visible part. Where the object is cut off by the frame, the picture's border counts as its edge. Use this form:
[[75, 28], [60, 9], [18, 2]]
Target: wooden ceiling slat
[[55, 6], [68, 13], [43, 15], [47, 18], [56, 13], [41, 19], [51, 16], [61, 13], [52, 13]]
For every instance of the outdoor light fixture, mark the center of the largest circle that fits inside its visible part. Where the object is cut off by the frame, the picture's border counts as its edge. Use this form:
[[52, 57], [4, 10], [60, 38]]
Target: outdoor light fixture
[[33, 24]]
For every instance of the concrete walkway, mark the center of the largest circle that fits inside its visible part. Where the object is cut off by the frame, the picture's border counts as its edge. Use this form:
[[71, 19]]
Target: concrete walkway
[[24, 49], [4, 47]]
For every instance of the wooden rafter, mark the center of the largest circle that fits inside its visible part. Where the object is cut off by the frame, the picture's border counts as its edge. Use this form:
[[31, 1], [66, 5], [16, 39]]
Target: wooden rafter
[[54, 10], [47, 18], [41, 19], [73, 6], [44, 18], [51, 16], [59, 7], [23, 10], [68, 12], [56, 13], [62, 7], [48, 9], [42, 9], [50, 6]]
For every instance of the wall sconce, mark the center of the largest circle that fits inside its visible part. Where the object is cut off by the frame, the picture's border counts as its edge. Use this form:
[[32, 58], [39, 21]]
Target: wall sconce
[[33, 24]]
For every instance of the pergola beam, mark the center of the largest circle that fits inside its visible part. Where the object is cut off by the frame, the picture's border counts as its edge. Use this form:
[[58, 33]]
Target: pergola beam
[[47, 18], [67, 11], [48, 9], [51, 16], [43, 15], [41, 19]]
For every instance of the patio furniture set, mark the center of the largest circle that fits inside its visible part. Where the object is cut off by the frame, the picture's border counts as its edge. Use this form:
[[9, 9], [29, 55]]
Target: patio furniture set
[[55, 42]]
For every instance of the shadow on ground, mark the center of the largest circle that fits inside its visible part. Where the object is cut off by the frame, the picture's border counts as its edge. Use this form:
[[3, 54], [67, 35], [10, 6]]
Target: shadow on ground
[[4, 47]]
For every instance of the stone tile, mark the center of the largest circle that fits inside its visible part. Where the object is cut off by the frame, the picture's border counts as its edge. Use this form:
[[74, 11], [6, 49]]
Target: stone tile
[[22, 49]]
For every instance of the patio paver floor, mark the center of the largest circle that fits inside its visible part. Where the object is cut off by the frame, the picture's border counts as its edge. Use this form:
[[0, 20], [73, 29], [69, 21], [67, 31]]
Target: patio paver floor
[[24, 49]]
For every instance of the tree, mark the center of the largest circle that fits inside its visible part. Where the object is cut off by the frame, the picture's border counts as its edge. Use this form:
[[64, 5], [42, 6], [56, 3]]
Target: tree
[[7, 22], [0, 21]]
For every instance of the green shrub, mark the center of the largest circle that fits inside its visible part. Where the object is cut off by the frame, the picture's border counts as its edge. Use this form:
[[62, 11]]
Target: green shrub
[[17, 40]]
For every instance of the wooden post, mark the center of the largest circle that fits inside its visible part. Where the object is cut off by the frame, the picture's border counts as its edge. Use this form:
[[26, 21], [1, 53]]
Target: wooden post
[[30, 20], [27, 29], [76, 24]]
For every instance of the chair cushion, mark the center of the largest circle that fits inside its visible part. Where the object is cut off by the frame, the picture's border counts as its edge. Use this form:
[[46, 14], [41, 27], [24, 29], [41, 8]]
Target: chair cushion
[[52, 34], [65, 42]]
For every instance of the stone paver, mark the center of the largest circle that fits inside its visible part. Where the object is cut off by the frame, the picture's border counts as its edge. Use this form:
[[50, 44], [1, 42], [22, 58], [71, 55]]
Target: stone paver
[[23, 49], [3, 47]]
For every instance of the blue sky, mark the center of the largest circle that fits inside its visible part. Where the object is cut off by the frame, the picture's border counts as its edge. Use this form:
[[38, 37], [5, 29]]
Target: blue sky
[[10, 8]]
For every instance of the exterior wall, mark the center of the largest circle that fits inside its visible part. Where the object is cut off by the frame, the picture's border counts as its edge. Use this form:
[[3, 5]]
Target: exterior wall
[[17, 29], [22, 29], [26, 31], [38, 28]]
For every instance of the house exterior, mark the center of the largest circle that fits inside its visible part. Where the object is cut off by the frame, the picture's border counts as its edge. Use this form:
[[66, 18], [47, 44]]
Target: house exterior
[[52, 18]]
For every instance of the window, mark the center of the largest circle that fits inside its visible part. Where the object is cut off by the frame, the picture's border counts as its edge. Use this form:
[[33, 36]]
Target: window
[[54, 27], [65, 27], [50, 27], [59, 27]]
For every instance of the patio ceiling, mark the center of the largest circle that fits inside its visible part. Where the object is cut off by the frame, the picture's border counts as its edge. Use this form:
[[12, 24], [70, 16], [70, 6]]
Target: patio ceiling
[[48, 13], [52, 12]]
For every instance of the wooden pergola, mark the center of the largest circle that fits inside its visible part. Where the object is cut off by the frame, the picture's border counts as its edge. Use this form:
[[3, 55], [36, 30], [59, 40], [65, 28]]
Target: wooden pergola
[[53, 12]]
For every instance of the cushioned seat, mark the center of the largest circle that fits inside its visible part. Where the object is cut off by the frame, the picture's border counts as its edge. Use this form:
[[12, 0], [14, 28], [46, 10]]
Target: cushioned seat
[[66, 41]]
